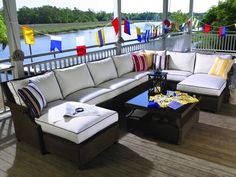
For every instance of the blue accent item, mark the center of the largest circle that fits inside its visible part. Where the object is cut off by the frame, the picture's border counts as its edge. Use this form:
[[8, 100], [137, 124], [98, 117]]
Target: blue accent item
[[153, 104], [139, 38], [55, 45], [174, 105], [223, 31], [100, 37]]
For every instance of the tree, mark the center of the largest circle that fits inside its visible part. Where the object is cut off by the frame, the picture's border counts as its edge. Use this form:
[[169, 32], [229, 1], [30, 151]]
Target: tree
[[3, 31], [222, 15]]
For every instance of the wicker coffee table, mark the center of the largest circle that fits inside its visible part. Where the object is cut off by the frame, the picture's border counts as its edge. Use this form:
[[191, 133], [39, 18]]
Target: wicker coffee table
[[165, 123]]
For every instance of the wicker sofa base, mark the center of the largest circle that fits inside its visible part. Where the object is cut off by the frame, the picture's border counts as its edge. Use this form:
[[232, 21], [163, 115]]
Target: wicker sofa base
[[87, 150]]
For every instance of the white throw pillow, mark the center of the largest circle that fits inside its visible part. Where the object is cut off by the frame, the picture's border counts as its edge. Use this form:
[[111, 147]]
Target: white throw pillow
[[48, 85], [102, 70], [204, 62], [73, 78], [14, 86], [124, 64], [181, 61]]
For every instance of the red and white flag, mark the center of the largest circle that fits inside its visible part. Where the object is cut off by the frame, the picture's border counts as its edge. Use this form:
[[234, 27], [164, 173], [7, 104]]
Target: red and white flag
[[80, 46]]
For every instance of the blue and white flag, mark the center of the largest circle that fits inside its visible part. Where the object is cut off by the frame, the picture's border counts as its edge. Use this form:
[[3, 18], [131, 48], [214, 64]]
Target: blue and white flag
[[182, 27], [147, 35], [56, 43]]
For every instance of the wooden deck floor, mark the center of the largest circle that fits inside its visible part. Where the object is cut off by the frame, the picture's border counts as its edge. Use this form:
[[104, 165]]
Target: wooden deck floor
[[208, 150]]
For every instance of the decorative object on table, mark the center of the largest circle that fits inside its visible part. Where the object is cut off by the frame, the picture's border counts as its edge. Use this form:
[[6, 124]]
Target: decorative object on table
[[173, 96], [158, 82]]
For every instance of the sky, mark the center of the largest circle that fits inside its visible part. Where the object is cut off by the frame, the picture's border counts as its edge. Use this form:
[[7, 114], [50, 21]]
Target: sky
[[127, 5]]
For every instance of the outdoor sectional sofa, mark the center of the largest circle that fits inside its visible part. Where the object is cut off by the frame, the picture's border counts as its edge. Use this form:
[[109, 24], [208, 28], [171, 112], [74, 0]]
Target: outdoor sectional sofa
[[106, 83]]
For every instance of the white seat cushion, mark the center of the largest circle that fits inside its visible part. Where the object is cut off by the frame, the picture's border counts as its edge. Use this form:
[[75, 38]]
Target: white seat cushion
[[49, 86], [102, 70], [136, 75], [181, 61], [88, 94], [204, 62], [124, 64], [177, 75], [116, 83], [76, 129], [74, 78], [203, 84]]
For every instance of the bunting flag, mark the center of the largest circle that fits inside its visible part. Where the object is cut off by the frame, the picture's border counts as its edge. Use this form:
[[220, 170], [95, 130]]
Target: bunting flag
[[189, 22], [28, 35], [165, 29], [155, 31], [207, 28], [222, 31], [100, 37], [182, 27], [80, 46], [139, 35], [177, 27], [127, 27], [166, 22], [146, 36], [195, 23], [55, 43], [235, 25], [115, 24]]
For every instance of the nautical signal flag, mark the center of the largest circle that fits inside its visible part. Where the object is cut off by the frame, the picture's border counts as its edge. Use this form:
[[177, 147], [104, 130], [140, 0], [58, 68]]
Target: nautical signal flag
[[115, 24], [127, 27], [147, 35], [80, 46], [100, 36], [189, 22], [195, 23], [235, 25], [165, 29], [28, 34], [55, 43], [139, 35], [207, 28], [182, 27], [222, 31], [177, 27]]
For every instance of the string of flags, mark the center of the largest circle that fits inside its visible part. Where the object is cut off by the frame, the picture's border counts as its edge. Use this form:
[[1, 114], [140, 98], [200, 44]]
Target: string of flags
[[152, 31]]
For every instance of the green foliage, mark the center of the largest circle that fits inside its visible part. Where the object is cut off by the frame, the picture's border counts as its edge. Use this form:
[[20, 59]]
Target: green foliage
[[222, 15], [3, 35]]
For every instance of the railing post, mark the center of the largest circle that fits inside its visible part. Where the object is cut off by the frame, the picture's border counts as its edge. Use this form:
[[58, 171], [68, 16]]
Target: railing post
[[117, 13], [190, 26], [165, 16], [13, 34]]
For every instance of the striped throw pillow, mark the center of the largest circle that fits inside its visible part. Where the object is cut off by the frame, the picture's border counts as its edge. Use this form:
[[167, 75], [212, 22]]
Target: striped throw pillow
[[33, 98], [221, 67], [159, 61], [139, 62]]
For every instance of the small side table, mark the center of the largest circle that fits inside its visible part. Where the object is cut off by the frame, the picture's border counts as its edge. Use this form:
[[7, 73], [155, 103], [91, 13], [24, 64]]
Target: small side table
[[158, 82]]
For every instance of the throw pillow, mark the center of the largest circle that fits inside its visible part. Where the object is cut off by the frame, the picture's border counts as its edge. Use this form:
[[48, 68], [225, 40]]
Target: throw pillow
[[221, 67], [149, 58], [33, 98], [159, 61], [139, 62]]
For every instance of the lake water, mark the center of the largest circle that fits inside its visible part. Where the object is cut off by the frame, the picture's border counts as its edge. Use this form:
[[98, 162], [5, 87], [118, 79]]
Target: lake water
[[42, 43]]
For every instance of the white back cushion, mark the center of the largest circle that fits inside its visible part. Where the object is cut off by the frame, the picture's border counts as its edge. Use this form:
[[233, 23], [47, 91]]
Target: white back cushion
[[73, 79], [124, 64], [181, 61], [204, 62], [102, 70], [49, 86], [14, 86]]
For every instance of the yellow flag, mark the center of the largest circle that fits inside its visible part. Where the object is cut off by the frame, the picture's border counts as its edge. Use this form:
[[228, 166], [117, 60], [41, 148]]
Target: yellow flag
[[235, 25], [28, 35], [138, 30]]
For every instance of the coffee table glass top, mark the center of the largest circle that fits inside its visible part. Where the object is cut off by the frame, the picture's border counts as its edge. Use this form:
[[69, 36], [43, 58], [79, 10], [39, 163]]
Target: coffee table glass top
[[141, 102]]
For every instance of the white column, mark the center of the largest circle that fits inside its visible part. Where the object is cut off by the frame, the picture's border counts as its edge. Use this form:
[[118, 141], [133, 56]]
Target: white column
[[165, 16], [117, 13], [13, 33], [190, 26]]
